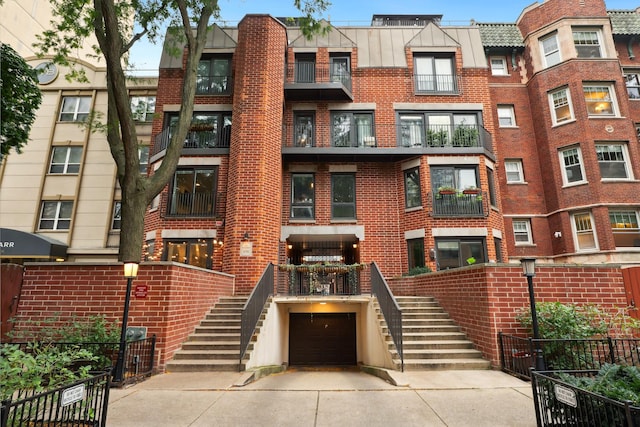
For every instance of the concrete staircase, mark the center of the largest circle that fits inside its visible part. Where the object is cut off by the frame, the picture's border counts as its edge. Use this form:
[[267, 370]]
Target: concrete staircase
[[215, 343], [432, 341]]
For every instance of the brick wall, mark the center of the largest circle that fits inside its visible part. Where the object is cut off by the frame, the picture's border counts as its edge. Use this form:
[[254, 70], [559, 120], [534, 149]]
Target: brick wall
[[485, 299], [178, 297]]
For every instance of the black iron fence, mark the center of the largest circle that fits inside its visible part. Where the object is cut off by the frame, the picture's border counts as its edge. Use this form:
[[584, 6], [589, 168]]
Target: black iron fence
[[202, 137], [459, 204], [322, 280], [139, 356], [517, 353], [253, 308], [558, 403], [81, 403], [310, 72], [390, 309]]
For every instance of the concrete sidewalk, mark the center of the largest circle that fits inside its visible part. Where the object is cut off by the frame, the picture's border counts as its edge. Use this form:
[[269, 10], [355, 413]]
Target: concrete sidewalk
[[325, 398]]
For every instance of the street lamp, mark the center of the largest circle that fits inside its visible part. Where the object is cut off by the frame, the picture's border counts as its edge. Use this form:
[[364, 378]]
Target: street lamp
[[130, 272], [529, 270]]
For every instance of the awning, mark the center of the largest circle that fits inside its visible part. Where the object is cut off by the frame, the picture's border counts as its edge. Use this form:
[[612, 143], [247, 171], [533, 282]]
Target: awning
[[19, 244]]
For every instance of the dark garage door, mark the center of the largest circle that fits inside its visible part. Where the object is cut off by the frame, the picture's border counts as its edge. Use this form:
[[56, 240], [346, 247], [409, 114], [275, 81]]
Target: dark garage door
[[322, 339]]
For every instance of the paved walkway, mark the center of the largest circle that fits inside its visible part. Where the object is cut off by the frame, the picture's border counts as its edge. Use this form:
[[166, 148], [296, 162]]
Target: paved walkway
[[325, 398]]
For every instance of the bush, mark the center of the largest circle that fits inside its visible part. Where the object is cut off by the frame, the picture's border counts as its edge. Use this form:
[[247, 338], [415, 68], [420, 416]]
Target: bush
[[613, 381], [418, 270], [566, 321]]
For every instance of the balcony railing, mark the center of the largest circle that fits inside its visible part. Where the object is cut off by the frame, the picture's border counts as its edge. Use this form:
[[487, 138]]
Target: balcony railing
[[191, 204], [459, 204], [214, 85], [196, 138], [436, 84], [405, 135], [308, 81], [310, 72]]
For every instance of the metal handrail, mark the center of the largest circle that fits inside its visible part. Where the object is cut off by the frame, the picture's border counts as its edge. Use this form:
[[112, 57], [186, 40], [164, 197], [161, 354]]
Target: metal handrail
[[253, 308], [390, 309]]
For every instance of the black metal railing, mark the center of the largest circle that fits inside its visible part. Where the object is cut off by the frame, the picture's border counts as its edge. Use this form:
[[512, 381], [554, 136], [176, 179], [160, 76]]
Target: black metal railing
[[517, 353], [558, 403], [310, 72], [253, 308], [80, 403], [459, 204], [436, 83], [214, 85], [416, 134], [192, 204], [320, 280], [197, 138], [390, 309]]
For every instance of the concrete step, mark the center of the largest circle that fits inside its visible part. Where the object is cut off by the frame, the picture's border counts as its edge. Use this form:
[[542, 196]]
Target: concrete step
[[220, 322], [458, 353], [433, 336], [215, 337], [204, 366], [217, 329], [437, 344], [445, 364], [207, 355], [210, 345], [427, 329]]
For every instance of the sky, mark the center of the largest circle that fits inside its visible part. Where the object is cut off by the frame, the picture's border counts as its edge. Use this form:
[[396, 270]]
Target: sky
[[146, 57]]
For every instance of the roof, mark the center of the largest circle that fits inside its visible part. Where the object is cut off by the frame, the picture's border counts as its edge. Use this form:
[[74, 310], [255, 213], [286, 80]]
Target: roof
[[500, 35], [624, 22]]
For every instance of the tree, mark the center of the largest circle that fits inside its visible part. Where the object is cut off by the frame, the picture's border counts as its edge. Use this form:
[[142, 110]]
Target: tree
[[117, 25], [19, 101]]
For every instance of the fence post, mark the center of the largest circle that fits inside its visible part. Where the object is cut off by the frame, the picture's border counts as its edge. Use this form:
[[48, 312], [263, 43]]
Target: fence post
[[4, 412], [153, 352], [501, 345], [613, 356]]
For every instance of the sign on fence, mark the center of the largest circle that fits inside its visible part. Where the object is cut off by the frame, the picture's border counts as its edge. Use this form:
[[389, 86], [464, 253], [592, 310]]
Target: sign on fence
[[72, 395], [565, 395]]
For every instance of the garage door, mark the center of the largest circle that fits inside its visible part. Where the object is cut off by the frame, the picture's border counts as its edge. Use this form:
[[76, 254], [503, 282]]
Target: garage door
[[322, 339]]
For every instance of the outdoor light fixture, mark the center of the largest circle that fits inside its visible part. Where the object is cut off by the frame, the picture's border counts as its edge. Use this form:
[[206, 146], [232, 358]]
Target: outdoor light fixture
[[529, 270], [130, 272], [246, 236]]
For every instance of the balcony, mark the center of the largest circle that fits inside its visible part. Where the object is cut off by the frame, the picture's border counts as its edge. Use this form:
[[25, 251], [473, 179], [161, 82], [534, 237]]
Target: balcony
[[196, 139], [214, 85], [436, 84], [307, 81], [189, 205], [459, 204], [395, 142]]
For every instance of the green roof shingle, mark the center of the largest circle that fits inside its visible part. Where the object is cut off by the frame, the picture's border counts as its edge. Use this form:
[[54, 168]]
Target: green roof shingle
[[624, 22], [500, 35]]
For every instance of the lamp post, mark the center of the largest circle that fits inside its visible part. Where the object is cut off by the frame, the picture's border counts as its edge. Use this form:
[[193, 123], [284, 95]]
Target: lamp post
[[529, 270], [130, 272]]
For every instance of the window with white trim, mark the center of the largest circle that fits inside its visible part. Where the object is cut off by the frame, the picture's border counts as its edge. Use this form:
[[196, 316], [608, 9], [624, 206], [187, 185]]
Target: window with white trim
[[75, 108], [624, 227], [506, 116], [600, 99], [560, 103], [513, 171], [498, 66], [143, 108], [55, 215], [65, 160], [587, 43], [550, 50], [585, 235], [572, 166], [522, 232], [612, 159]]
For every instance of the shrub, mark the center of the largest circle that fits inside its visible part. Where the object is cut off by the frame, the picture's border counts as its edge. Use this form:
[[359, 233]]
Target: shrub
[[566, 321], [418, 270], [616, 382]]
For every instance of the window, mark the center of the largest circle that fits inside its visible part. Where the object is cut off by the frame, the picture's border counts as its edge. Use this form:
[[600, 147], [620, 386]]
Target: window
[[497, 243], [412, 195], [522, 232], [343, 196], [198, 253], [550, 50], [193, 192], [351, 129], [439, 129], [143, 108], [302, 196], [208, 130], [415, 251], [55, 215], [214, 75], [632, 80], [498, 66], [584, 232], [303, 132], [493, 199], [611, 159], [561, 109], [434, 74], [572, 169], [506, 116], [116, 221], [143, 155], [65, 160], [513, 170], [305, 68], [458, 177], [599, 99], [75, 108], [587, 43], [340, 69], [453, 253], [625, 229]]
